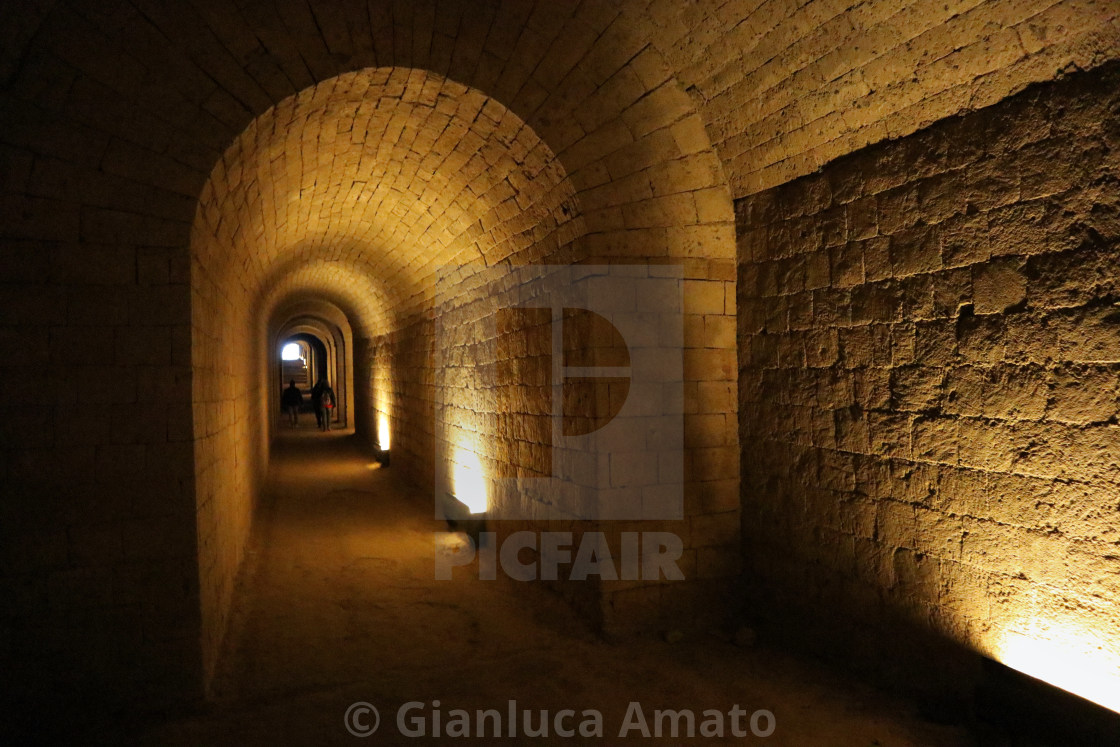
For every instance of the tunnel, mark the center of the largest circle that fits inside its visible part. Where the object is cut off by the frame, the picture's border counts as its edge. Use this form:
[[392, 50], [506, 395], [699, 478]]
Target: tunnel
[[668, 341]]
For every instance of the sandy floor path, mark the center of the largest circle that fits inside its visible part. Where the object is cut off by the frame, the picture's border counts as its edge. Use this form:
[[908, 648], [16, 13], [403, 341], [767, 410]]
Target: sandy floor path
[[339, 605]]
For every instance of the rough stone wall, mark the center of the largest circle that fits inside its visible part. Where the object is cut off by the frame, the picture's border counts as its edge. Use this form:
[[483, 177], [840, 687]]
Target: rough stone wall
[[788, 86], [929, 349], [98, 570], [113, 116], [403, 390], [230, 383]]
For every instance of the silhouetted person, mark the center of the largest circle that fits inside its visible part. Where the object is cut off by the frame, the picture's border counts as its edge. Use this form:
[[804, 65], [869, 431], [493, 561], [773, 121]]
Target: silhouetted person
[[292, 400], [322, 396]]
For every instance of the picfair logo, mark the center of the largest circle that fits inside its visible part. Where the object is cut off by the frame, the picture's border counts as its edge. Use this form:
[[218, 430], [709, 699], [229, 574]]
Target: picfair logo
[[565, 398]]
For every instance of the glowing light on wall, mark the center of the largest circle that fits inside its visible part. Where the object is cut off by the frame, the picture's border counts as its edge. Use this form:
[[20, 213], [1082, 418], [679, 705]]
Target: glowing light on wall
[[1066, 659], [290, 352], [383, 431], [382, 403], [468, 481]]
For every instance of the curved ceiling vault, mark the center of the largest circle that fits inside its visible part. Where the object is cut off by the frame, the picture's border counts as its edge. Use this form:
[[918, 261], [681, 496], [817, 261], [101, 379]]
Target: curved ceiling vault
[[303, 313], [364, 186], [344, 285]]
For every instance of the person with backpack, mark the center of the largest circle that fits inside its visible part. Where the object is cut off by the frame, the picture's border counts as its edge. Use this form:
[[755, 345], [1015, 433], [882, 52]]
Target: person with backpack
[[324, 403]]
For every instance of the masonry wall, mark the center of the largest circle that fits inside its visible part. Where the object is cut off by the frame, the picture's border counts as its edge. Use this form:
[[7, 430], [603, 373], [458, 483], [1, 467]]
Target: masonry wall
[[492, 395], [789, 85], [230, 398], [395, 386], [98, 564], [113, 118], [462, 382], [710, 530], [929, 350]]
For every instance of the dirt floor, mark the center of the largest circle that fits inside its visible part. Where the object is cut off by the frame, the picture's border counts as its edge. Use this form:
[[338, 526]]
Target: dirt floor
[[339, 606]]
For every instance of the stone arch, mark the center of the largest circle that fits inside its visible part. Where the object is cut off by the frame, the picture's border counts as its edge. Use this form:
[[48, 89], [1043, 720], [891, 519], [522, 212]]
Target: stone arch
[[330, 326], [119, 115], [362, 187]]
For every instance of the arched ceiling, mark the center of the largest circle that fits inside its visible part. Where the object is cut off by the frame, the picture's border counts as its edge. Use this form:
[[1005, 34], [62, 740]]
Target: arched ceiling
[[335, 291], [371, 182], [302, 313], [113, 114], [785, 86], [156, 91]]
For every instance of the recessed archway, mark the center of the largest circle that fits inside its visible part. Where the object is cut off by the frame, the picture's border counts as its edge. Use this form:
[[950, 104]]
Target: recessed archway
[[383, 192], [327, 329]]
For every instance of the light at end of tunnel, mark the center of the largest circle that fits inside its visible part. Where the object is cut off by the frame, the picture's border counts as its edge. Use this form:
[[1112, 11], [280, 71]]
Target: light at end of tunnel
[[468, 481], [290, 352], [383, 431], [1069, 662]]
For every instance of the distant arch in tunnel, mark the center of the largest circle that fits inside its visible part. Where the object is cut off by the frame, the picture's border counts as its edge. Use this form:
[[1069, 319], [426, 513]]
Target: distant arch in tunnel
[[322, 320], [324, 362], [302, 355], [291, 214], [362, 191], [349, 299]]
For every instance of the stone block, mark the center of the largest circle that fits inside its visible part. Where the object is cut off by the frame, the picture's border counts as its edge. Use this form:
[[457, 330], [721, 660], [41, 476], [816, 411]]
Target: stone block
[[1016, 393], [714, 530], [863, 219], [898, 209], [703, 297], [880, 302], [847, 266], [1083, 394], [1020, 229], [914, 251], [916, 388], [965, 240], [964, 391]]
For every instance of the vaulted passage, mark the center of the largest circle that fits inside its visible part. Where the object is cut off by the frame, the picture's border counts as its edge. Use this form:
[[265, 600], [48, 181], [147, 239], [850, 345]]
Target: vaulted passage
[[391, 205], [786, 323]]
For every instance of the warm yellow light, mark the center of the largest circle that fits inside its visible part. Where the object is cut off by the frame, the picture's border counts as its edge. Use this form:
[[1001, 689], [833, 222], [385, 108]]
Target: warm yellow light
[[468, 481], [1064, 659], [383, 431]]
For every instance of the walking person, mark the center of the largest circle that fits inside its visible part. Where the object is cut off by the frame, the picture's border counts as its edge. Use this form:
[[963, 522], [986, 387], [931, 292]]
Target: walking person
[[292, 401], [324, 404]]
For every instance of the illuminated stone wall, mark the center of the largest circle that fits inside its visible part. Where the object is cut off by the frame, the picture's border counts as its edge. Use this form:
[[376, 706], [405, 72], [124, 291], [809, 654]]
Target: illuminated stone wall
[[402, 368], [121, 128], [493, 402], [789, 86], [929, 350]]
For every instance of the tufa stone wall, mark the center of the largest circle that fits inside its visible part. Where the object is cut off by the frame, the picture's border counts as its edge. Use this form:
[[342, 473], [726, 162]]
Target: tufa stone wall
[[788, 85], [98, 565], [113, 120], [929, 351], [494, 393]]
